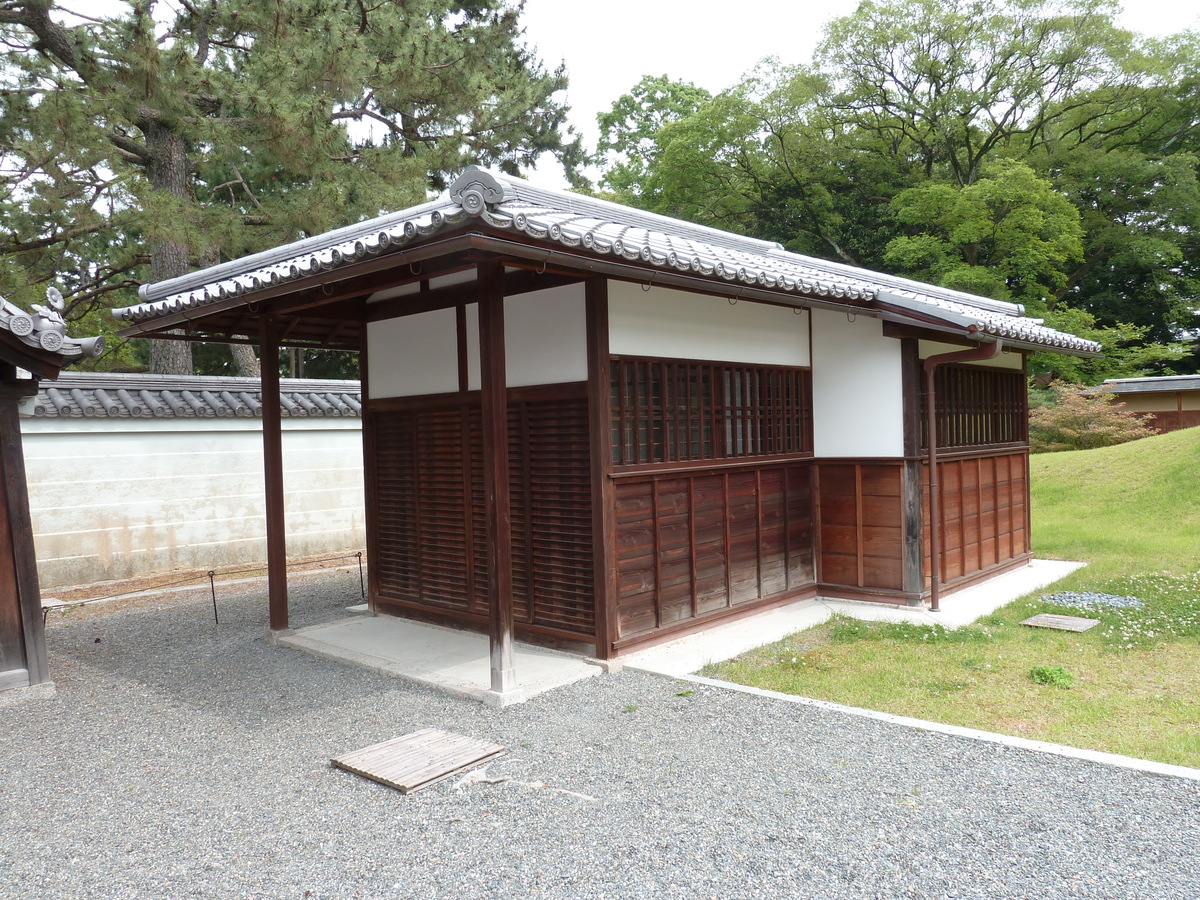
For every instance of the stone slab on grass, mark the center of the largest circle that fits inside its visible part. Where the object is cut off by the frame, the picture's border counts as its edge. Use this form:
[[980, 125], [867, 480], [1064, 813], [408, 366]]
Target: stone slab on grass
[[1062, 623]]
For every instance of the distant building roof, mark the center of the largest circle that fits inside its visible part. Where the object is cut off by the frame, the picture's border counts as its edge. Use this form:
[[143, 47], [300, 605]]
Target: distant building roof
[[590, 227], [1154, 384], [119, 395]]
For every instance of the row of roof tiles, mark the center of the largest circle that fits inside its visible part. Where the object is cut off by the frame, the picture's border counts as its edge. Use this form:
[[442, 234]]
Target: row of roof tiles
[[598, 227], [120, 395], [1153, 384]]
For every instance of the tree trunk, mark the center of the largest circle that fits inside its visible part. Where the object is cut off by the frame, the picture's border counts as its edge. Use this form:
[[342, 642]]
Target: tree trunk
[[245, 360], [167, 171]]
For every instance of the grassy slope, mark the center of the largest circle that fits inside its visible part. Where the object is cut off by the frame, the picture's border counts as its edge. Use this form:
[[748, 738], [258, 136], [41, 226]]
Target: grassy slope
[[1121, 508], [1133, 512]]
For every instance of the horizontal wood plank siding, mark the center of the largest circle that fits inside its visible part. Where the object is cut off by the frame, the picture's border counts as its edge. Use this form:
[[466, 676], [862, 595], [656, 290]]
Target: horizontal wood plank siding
[[861, 524], [696, 545]]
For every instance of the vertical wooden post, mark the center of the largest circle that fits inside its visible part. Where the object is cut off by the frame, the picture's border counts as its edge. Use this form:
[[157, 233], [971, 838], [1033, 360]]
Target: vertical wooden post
[[494, 416], [370, 470], [277, 591], [913, 578], [21, 616], [604, 526]]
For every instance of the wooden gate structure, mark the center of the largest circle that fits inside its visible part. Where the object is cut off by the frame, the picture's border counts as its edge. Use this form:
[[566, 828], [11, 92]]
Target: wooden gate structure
[[591, 426]]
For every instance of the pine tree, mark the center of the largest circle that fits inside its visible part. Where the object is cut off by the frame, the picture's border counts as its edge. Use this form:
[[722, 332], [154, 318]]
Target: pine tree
[[137, 145]]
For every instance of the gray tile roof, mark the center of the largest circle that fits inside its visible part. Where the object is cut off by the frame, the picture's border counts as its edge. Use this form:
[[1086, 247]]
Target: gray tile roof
[[120, 395], [601, 228], [1152, 384]]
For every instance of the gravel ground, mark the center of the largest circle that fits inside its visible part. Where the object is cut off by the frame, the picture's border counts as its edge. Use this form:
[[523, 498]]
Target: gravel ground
[[183, 759]]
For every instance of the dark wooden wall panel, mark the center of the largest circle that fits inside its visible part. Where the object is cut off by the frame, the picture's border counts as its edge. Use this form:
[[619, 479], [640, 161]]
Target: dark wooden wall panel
[[1173, 420], [861, 522], [432, 511], [984, 513], [697, 544]]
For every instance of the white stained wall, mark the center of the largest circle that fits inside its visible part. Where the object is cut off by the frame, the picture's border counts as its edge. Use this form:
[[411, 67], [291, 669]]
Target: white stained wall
[[115, 498], [858, 403], [545, 342]]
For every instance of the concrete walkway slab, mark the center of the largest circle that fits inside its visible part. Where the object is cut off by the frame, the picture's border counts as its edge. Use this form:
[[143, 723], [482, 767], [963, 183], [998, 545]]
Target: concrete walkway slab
[[692, 653], [456, 662]]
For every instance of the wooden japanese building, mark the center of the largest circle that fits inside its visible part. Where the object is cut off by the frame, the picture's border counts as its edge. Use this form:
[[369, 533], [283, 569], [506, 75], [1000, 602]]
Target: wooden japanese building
[[1172, 401], [594, 427], [32, 347]]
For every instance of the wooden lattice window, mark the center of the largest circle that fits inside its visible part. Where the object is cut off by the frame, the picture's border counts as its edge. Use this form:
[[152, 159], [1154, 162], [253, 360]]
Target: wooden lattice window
[[977, 407], [667, 411]]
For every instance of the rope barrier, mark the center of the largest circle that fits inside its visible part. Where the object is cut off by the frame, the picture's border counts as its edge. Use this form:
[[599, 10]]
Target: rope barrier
[[211, 575]]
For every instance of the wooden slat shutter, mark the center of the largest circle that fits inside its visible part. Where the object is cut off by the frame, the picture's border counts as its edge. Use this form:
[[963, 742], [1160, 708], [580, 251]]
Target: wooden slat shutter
[[432, 522]]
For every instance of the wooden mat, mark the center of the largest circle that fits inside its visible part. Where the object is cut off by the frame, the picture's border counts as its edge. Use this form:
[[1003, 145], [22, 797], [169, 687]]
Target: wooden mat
[[419, 759]]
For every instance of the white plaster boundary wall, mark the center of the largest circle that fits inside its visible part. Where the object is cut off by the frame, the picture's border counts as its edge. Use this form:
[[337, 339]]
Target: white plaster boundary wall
[[858, 402], [681, 325], [120, 498]]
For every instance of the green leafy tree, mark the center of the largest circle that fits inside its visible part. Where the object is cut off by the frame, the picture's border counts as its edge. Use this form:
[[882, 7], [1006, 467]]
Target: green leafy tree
[[949, 86], [136, 145], [629, 131], [951, 142], [1007, 235]]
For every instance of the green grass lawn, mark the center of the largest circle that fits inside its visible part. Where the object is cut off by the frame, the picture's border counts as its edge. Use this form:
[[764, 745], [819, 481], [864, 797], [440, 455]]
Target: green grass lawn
[[1133, 513]]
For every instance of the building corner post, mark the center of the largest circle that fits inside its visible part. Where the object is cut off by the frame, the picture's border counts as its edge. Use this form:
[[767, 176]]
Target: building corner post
[[277, 588], [494, 421]]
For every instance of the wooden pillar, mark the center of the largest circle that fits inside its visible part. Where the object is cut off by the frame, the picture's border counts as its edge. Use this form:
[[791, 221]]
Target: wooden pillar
[[604, 527], [277, 590], [913, 576], [23, 659], [370, 470], [494, 414]]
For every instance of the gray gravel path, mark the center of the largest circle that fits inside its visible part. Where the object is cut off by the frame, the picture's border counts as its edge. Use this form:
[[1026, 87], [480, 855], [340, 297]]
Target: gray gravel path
[[186, 760]]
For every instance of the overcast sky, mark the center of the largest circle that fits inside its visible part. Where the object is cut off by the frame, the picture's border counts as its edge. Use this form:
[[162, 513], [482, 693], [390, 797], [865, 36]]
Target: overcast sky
[[608, 47]]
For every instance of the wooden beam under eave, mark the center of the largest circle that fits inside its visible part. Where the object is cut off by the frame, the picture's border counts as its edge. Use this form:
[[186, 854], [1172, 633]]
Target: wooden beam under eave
[[494, 414], [272, 419]]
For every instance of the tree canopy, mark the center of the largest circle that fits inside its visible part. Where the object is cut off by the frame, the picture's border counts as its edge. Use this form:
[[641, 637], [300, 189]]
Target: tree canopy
[[1022, 149], [138, 144]]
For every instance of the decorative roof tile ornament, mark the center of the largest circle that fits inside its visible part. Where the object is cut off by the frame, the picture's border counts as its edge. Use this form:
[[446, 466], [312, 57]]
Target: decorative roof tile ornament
[[650, 241], [46, 329], [475, 190]]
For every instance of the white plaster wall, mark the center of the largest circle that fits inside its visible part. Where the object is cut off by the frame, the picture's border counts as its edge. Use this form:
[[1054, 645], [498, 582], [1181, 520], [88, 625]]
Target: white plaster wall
[[413, 355], [545, 342], [1008, 359], [110, 501], [858, 407], [545, 337], [681, 325]]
